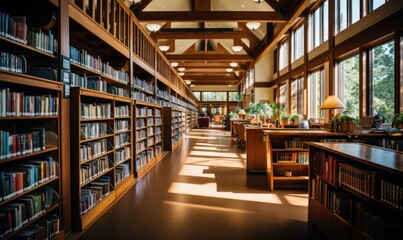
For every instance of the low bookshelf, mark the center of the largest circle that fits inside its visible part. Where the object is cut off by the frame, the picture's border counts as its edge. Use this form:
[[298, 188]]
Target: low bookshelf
[[355, 191]]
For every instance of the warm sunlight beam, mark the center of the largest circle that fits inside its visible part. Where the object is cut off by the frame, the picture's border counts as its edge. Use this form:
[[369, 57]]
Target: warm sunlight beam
[[220, 162], [195, 171], [297, 199], [210, 190], [204, 207], [213, 154], [210, 144], [198, 137]]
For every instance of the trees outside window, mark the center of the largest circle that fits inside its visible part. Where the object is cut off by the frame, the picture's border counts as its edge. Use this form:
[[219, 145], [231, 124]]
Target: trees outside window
[[297, 43], [297, 97], [316, 94], [318, 28], [382, 68], [347, 84]]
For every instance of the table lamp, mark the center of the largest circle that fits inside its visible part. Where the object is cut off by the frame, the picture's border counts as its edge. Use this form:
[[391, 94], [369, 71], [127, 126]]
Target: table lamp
[[242, 113], [332, 102]]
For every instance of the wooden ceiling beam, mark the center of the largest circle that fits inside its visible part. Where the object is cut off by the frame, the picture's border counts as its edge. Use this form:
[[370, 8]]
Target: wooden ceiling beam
[[210, 16], [199, 35], [139, 7], [206, 64], [209, 57], [278, 7]]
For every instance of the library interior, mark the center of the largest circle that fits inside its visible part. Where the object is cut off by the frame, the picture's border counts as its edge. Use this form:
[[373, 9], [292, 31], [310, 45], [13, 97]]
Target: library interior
[[201, 119]]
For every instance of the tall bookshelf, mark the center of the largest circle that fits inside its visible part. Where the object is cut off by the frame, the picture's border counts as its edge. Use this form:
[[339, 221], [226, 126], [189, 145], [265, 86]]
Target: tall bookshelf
[[355, 191], [30, 157], [159, 135], [102, 151]]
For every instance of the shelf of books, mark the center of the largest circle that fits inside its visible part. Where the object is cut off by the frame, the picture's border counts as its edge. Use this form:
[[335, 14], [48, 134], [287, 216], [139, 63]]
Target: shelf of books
[[162, 94], [30, 180], [30, 176], [355, 191], [99, 50], [145, 137], [101, 142], [158, 133]]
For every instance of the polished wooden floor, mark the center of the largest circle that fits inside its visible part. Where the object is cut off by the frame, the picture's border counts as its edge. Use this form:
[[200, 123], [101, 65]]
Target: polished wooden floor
[[202, 191]]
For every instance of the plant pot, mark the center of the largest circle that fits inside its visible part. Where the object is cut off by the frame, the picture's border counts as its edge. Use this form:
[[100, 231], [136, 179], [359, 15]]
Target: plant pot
[[347, 127], [285, 122]]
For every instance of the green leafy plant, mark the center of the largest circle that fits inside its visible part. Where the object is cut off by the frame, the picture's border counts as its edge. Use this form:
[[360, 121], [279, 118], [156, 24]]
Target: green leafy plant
[[259, 109], [295, 116], [279, 109], [398, 119], [285, 118]]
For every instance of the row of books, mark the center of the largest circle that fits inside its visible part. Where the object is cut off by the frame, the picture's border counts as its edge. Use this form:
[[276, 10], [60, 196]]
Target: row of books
[[326, 166], [150, 153], [139, 95], [150, 122], [93, 149], [13, 63], [158, 138], [16, 104], [150, 112], [141, 160], [122, 139], [158, 121], [158, 150], [94, 192], [121, 172], [94, 130], [158, 130], [357, 179], [143, 85], [163, 102], [16, 29], [93, 169], [122, 111], [162, 94], [141, 111], [24, 176], [122, 154], [294, 157], [150, 131], [141, 134], [14, 144], [140, 123], [122, 125], [158, 112], [14, 215], [141, 146], [96, 110], [150, 141], [46, 228], [96, 83], [294, 143], [83, 58], [13, 27], [391, 193]]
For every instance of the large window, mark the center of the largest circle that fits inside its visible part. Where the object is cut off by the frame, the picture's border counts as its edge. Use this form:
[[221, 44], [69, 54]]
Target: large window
[[283, 94], [197, 95], [214, 96], [318, 26], [382, 68], [234, 96], [297, 97], [297, 43], [316, 94], [374, 4], [283, 55], [347, 84], [347, 13]]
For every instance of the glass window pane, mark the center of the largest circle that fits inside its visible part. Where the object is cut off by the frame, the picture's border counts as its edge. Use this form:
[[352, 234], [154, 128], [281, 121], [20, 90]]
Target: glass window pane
[[283, 94], [316, 94], [297, 96], [283, 55], [355, 11], [377, 3], [325, 15], [382, 77], [347, 85]]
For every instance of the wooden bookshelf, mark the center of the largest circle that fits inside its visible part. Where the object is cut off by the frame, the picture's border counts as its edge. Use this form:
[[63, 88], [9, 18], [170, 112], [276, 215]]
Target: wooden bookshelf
[[101, 143], [285, 146], [355, 191], [30, 138]]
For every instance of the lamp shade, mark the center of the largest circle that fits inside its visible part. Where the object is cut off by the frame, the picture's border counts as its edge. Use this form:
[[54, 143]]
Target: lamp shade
[[181, 74], [174, 64], [229, 70], [241, 112], [164, 48], [253, 25], [332, 102], [153, 27], [181, 69], [233, 64], [237, 48]]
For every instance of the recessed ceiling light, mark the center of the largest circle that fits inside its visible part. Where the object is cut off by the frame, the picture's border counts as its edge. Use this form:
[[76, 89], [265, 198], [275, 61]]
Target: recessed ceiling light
[[181, 74], [163, 48], [253, 25], [229, 70], [237, 48]]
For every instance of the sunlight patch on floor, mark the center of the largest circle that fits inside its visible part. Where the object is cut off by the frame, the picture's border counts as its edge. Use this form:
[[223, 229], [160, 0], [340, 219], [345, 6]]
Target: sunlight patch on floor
[[217, 162], [195, 171], [210, 144], [211, 148], [297, 199], [200, 137], [210, 190], [205, 207], [213, 154]]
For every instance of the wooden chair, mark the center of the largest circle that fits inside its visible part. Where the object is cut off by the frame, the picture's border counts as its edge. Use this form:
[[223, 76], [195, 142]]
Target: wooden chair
[[242, 136]]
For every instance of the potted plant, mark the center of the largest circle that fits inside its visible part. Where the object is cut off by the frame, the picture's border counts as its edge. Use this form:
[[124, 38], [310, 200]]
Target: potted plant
[[347, 123], [398, 120], [285, 120], [294, 118], [260, 110]]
